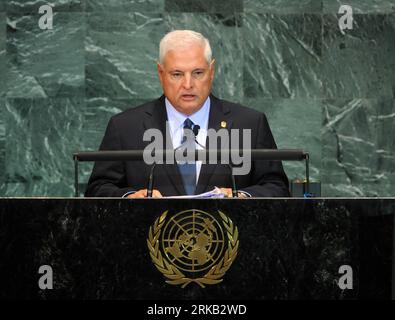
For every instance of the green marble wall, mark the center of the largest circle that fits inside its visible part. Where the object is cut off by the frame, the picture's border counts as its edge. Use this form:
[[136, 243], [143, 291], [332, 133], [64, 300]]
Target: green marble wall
[[328, 93]]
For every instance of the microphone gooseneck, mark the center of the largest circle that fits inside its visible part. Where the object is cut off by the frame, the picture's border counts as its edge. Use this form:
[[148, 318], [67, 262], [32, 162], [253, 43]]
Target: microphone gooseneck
[[150, 186], [195, 131]]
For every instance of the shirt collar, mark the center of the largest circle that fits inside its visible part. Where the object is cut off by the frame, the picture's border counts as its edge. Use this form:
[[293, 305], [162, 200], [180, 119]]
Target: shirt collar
[[176, 119]]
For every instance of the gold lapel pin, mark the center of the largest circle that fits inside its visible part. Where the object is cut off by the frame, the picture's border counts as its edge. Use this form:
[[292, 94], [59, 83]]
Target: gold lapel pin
[[223, 124]]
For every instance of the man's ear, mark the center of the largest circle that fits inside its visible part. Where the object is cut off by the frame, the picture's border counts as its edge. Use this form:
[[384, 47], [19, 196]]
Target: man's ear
[[212, 68], [160, 72]]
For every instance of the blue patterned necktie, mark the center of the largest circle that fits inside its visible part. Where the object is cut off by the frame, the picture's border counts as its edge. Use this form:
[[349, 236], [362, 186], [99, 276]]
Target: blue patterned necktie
[[188, 170]]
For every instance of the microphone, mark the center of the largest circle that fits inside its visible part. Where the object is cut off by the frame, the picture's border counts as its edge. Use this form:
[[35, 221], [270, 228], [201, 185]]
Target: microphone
[[195, 130], [150, 187]]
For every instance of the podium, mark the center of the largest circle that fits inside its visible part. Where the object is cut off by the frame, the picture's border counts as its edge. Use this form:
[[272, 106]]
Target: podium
[[290, 248]]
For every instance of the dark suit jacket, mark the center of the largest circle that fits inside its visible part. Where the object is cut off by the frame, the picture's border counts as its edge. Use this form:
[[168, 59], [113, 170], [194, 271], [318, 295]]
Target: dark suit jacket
[[125, 132]]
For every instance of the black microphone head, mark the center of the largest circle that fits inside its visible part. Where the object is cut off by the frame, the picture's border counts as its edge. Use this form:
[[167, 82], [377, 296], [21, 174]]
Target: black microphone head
[[196, 129]]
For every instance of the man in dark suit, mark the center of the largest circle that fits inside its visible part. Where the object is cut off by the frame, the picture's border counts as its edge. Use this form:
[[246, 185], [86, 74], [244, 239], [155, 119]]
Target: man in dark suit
[[186, 73]]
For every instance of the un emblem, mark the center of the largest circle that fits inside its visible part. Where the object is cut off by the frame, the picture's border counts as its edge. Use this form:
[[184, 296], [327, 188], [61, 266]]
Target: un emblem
[[193, 246]]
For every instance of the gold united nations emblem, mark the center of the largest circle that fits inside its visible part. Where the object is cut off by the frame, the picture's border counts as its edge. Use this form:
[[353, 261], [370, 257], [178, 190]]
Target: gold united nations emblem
[[193, 246]]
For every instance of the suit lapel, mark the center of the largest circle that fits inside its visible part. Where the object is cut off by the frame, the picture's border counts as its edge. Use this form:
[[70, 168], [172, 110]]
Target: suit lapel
[[218, 113], [158, 119]]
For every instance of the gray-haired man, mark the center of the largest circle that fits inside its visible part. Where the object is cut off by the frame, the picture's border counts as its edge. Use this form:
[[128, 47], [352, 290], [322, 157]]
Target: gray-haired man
[[186, 73]]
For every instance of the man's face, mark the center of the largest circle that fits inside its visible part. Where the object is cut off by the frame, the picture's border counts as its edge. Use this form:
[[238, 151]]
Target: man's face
[[186, 78]]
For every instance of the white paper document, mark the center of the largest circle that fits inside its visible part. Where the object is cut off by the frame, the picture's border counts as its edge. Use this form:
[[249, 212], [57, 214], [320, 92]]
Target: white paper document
[[215, 193]]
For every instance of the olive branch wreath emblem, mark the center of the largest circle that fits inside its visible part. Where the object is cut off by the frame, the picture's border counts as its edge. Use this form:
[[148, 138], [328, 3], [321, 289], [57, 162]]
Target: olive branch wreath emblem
[[173, 274]]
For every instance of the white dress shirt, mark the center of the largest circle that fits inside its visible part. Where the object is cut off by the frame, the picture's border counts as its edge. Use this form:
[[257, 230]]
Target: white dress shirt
[[176, 126]]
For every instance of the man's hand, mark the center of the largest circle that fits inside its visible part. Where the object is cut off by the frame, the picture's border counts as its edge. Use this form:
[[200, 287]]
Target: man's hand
[[228, 193], [143, 194]]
